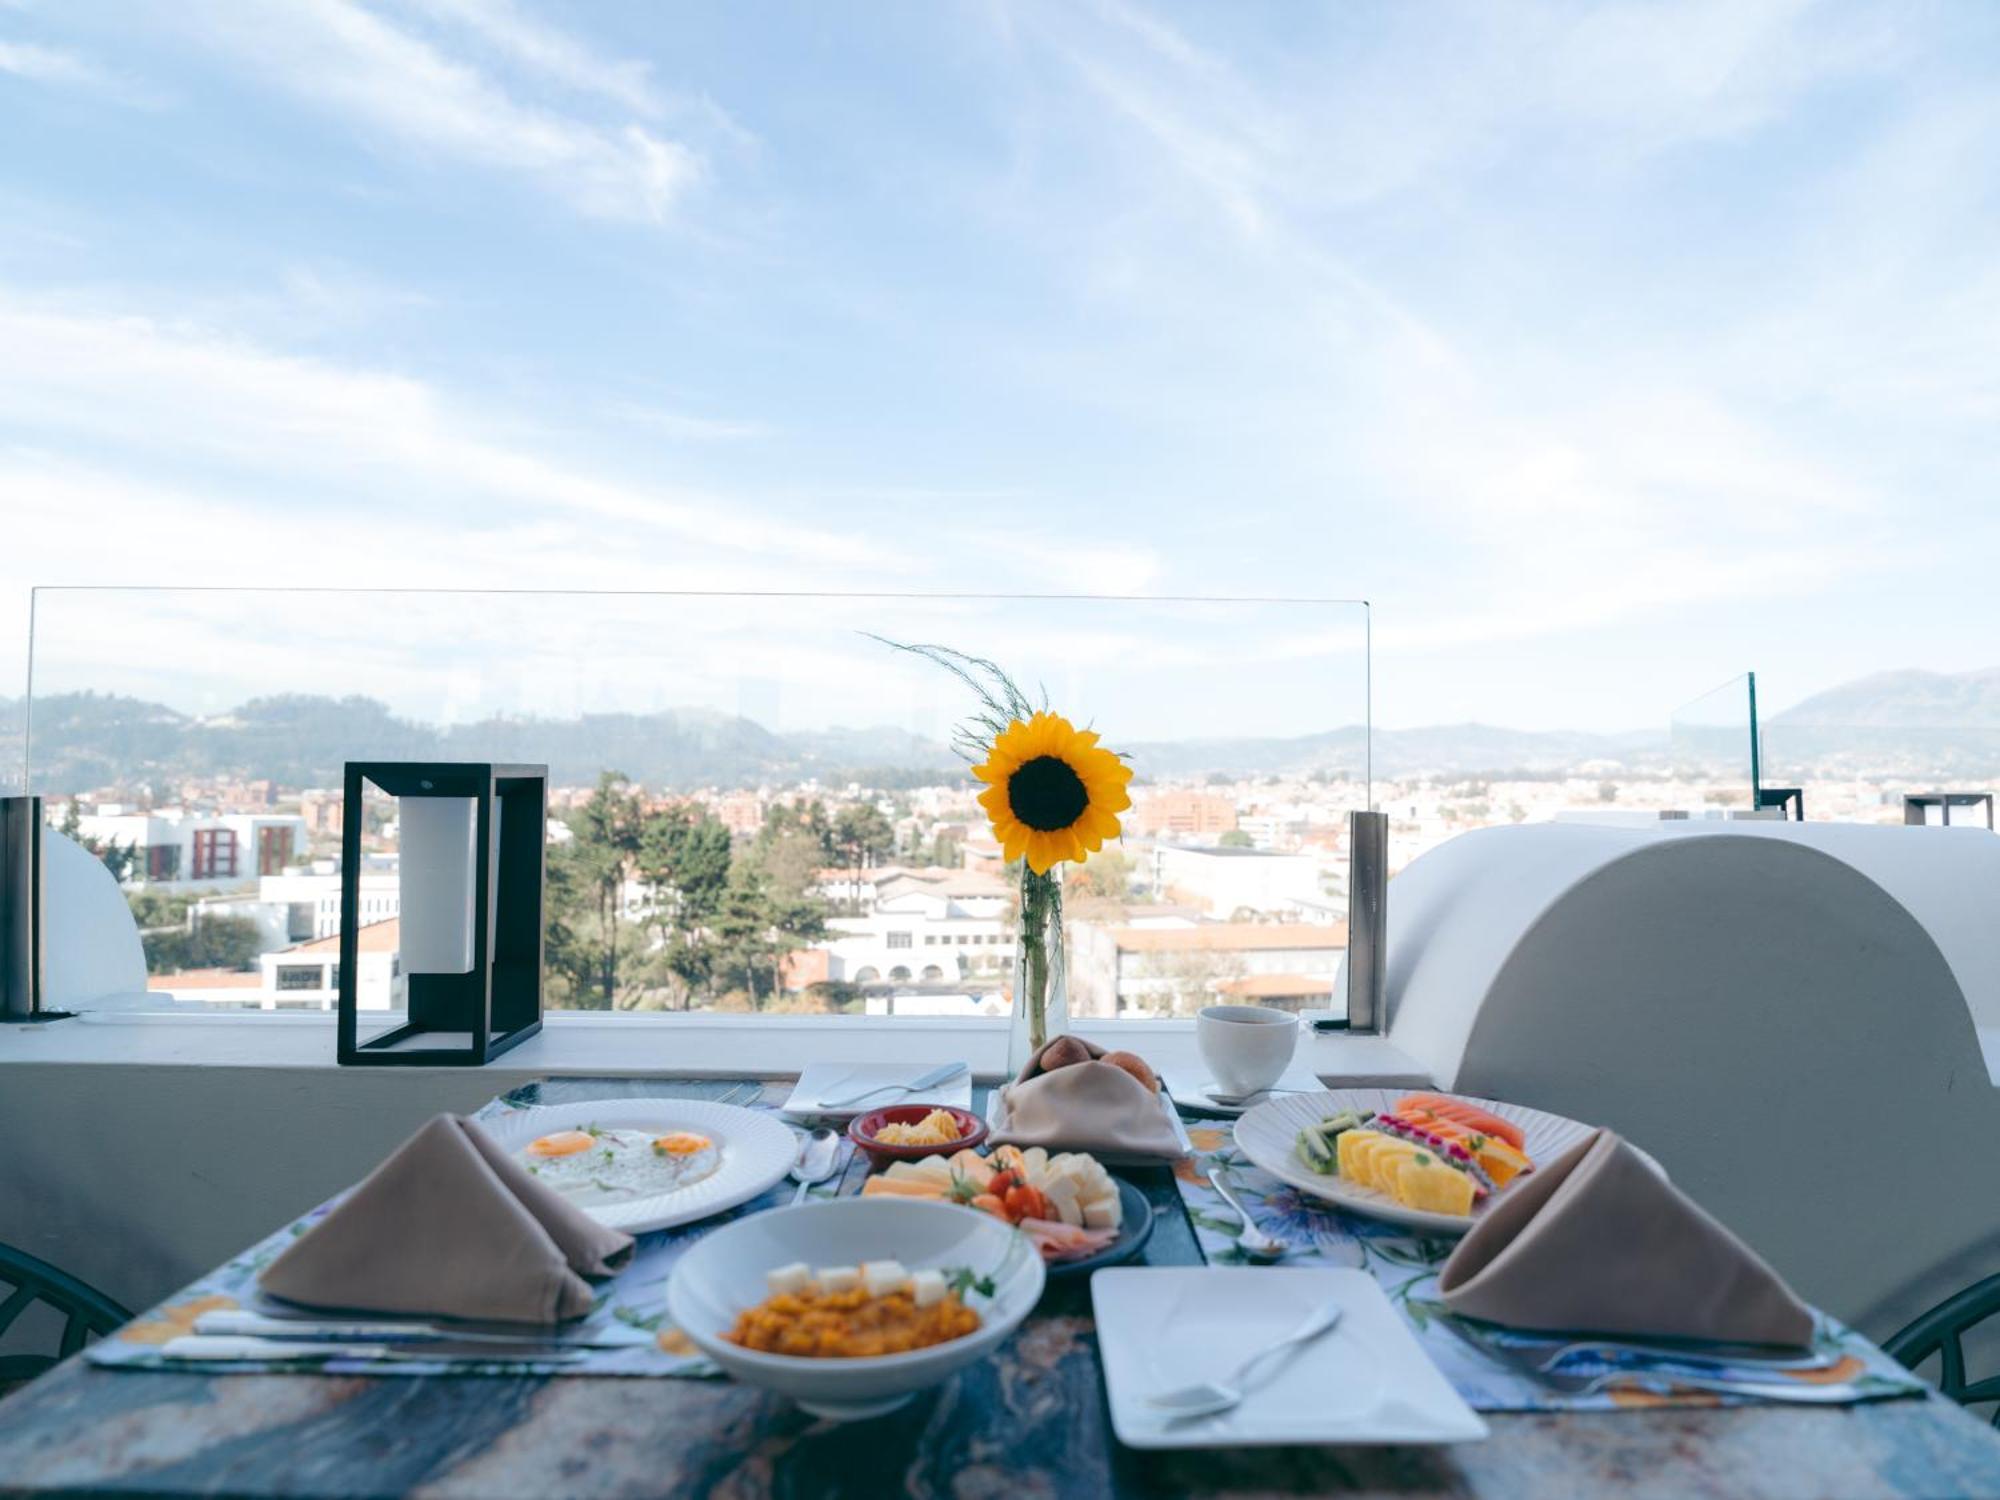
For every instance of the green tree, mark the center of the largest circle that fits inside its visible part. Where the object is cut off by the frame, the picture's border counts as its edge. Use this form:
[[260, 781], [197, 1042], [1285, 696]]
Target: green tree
[[120, 860], [684, 858], [1235, 838], [1105, 876], [862, 837], [210, 943], [597, 862]]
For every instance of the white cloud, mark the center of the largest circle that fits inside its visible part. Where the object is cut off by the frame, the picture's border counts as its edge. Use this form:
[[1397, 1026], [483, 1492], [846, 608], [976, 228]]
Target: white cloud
[[397, 86], [61, 68], [552, 54], [188, 396]]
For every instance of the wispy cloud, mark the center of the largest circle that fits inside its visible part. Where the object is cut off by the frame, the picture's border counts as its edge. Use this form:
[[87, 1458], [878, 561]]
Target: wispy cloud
[[60, 67], [399, 87], [156, 389], [690, 427]]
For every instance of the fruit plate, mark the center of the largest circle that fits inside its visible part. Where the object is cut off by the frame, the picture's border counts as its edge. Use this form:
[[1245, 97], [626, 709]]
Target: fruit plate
[[1135, 1227], [1268, 1133]]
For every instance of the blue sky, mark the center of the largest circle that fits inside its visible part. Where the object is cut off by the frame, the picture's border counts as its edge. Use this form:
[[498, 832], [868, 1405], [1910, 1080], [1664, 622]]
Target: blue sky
[[1608, 350]]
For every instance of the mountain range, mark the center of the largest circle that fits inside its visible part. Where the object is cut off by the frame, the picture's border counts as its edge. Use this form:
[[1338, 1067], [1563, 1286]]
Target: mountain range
[[89, 740]]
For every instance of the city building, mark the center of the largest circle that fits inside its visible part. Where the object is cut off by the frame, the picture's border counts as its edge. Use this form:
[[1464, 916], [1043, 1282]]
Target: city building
[[1230, 883], [1183, 814], [1132, 971], [929, 926], [307, 976], [177, 847]]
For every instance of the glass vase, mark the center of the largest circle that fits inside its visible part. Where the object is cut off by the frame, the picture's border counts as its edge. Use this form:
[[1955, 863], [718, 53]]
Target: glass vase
[[1041, 989]]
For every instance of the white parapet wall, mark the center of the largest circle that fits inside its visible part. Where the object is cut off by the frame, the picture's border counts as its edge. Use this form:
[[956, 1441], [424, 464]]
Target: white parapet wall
[[1789, 1016]]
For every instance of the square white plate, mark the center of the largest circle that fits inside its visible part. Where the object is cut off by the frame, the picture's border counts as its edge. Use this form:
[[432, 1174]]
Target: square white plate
[[1367, 1381], [820, 1080]]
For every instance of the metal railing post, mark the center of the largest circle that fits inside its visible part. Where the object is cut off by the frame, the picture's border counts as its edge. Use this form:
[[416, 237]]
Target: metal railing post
[[1367, 919], [20, 908]]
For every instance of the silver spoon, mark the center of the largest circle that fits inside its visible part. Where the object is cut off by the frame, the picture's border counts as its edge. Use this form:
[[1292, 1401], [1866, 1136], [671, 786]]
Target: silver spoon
[[819, 1158], [1208, 1398], [1253, 1242]]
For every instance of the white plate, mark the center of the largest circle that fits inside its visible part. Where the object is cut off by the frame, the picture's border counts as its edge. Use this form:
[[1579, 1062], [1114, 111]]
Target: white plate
[[1191, 1085], [757, 1149], [1366, 1381], [1269, 1131], [723, 1273], [820, 1080]]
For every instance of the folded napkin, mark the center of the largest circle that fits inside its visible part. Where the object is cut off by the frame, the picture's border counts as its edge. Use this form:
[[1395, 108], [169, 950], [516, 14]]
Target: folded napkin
[[1085, 1106], [1599, 1241], [451, 1226]]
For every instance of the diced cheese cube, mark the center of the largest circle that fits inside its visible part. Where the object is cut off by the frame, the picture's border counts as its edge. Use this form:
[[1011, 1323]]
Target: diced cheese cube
[[838, 1278], [789, 1279], [1068, 1210], [927, 1287], [1102, 1213], [1035, 1158], [881, 1277]]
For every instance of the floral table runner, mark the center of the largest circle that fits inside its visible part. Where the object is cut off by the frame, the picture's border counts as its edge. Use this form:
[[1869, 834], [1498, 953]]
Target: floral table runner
[[1406, 1264]]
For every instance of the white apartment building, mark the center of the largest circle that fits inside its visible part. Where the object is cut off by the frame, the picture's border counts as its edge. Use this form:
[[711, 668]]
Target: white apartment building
[[300, 905], [307, 976], [926, 927], [1121, 970], [190, 850], [1228, 883]]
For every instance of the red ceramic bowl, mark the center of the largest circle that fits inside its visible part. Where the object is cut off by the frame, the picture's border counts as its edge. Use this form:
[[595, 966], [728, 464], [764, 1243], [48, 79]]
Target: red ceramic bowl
[[861, 1130]]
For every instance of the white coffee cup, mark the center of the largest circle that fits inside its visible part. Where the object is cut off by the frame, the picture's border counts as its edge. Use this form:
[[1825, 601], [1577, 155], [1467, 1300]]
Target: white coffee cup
[[1246, 1047]]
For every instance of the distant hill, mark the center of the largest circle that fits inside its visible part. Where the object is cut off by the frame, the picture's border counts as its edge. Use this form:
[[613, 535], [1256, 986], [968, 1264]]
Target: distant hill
[[1907, 699], [1912, 724]]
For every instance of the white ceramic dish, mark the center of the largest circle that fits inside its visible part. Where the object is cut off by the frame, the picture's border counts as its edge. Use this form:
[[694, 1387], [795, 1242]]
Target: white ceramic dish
[[1268, 1132], [723, 1273], [1366, 1381], [1191, 1086], [820, 1080], [757, 1150]]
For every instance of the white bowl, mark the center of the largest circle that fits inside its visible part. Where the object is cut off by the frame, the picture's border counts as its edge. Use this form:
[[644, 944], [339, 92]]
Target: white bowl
[[723, 1273]]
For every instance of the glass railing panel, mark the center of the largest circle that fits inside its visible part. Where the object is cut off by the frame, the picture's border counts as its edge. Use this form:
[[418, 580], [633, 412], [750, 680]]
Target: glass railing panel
[[1712, 747], [754, 802]]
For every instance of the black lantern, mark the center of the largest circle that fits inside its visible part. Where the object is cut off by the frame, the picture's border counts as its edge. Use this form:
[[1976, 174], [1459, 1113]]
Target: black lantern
[[469, 906]]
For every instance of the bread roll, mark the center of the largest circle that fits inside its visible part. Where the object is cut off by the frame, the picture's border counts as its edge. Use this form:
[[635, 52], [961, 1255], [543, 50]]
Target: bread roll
[[1136, 1065]]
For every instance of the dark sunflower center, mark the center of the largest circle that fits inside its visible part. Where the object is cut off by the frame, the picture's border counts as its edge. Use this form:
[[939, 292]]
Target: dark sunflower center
[[1046, 794]]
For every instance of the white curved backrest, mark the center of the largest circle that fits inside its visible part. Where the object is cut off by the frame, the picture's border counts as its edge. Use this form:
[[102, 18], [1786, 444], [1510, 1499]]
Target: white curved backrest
[[91, 949], [1776, 1013]]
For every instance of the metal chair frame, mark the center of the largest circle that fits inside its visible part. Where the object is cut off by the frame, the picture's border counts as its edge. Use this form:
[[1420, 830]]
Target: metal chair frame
[[85, 1311], [1941, 1331]]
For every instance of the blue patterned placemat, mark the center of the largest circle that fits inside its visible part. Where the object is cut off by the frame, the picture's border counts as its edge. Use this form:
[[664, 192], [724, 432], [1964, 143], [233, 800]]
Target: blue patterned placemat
[[635, 1299], [1405, 1264]]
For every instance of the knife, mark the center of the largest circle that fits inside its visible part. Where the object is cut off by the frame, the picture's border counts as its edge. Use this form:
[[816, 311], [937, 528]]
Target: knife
[[223, 1347], [935, 1076], [234, 1322]]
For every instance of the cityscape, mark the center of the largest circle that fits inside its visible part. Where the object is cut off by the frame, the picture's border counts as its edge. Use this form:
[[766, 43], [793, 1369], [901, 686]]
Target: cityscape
[[806, 898]]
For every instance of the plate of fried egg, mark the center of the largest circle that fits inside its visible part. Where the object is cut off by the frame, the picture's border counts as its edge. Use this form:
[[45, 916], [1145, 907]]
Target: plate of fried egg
[[639, 1164]]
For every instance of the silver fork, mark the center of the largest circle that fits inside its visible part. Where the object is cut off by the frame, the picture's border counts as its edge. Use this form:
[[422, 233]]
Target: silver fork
[[1651, 1380]]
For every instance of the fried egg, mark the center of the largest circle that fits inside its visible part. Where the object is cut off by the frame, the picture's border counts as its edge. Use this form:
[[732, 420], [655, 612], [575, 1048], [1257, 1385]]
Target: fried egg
[[593, 1165]]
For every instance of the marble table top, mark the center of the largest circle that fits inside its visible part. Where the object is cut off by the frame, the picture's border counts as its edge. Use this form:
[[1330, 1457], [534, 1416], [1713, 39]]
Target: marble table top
[[1030, 1423]]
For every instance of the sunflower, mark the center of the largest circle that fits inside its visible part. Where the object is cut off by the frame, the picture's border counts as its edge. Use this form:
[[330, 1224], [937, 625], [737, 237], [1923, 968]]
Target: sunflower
[[1052, 792]]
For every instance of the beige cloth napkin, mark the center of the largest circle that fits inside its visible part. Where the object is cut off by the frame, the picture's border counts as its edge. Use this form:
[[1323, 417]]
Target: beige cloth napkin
[[451, 1226], [1086, 1106], [1598, 1241]]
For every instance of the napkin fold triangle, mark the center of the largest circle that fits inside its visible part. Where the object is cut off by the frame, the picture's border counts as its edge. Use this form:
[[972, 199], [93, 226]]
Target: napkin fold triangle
[[1084, 1106], [450, 1225], [1599, 1241]]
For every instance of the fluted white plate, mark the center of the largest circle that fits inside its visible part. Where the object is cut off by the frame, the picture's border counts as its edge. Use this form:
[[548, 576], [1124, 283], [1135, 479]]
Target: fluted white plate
[[757, 1149], [1268, 1133]]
